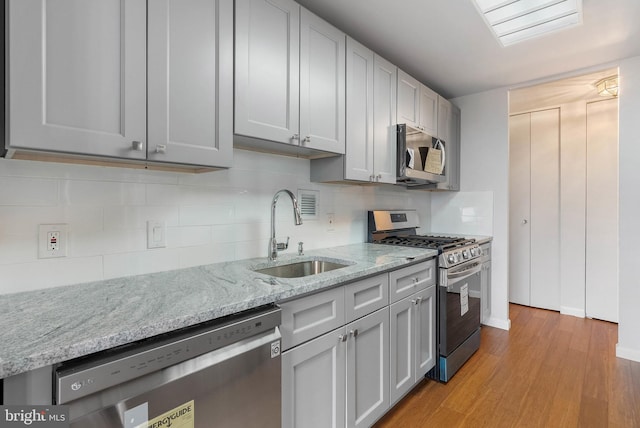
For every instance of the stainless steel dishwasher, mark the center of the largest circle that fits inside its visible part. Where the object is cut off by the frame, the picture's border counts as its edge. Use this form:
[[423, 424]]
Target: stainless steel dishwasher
[[222, 374]]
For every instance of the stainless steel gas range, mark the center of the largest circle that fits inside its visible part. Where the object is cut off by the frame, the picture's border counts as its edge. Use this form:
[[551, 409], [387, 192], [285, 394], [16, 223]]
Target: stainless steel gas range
[[459, 266]]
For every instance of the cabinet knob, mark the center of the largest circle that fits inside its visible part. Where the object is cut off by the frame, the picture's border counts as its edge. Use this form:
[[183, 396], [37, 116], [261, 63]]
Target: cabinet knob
[[342, 338], [307, 139], [525, 221], [295, 137], [354, 333], [161, 148], [137, 146], [378, 177]]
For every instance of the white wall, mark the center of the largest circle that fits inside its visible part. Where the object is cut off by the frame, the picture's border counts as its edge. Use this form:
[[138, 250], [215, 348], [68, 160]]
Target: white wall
[[211, 217], [484, 166], [484, 178], [629, 223]]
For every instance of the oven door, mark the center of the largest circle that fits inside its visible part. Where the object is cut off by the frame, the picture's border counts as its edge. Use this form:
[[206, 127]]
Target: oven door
[[459, 300]]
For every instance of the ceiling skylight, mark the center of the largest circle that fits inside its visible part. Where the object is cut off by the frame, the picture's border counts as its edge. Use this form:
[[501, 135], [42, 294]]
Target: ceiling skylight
[[513, 21]]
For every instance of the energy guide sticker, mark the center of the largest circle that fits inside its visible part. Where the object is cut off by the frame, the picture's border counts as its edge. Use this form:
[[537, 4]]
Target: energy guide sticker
[[464, 299], [180, 417]]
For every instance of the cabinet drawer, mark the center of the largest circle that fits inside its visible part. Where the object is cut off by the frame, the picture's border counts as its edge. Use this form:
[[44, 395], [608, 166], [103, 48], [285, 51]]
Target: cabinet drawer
[[366, 296], [311, 316], [406, 281]]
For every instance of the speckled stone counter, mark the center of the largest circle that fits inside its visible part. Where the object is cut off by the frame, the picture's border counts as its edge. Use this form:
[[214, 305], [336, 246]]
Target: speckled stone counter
[[41, 328]]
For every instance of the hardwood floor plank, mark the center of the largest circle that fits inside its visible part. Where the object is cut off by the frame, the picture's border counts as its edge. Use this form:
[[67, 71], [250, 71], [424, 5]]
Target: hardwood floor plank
[[549, 370]]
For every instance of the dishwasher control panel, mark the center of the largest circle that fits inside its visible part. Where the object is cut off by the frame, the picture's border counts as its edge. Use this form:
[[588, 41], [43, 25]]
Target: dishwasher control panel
[[74, 381]]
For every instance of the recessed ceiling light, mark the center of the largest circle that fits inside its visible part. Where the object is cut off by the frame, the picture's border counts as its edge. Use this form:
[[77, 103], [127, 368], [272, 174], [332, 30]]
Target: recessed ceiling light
[[515, 21]]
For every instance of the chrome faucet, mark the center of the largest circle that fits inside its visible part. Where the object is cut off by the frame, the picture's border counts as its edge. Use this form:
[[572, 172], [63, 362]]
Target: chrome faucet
[[274, 246]]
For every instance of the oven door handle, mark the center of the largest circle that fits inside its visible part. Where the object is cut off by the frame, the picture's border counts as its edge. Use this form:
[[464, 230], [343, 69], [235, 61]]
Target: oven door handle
[[454, 277]]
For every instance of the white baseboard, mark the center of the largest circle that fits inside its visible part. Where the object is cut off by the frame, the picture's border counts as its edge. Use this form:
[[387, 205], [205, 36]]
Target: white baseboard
[[574, 312], [498, 323], [627, 353]]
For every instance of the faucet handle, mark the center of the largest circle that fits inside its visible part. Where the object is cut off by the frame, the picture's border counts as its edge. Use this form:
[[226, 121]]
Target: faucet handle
[[300, 248], [283, 246]]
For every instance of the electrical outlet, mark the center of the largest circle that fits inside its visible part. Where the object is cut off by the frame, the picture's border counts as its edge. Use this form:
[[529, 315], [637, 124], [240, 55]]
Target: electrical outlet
[[331, 219], [52, 241]]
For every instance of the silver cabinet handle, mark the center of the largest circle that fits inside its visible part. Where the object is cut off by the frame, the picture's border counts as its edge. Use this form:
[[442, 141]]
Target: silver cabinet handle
[[378, 177], [295, 137], [137, 146], [418, 300], [354, 333], [161, 148], [307, 139], [342, 338], [525, 221]]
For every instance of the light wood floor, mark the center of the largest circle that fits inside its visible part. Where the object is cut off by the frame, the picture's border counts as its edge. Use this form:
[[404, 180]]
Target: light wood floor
[[550, 370]]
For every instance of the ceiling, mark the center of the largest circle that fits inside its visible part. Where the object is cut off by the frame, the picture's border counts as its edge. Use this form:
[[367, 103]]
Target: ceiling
[[446, 44]]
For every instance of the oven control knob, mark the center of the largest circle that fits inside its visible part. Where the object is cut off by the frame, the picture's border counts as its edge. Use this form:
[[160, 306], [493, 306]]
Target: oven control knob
[[451, 258], [465, 254], [474, 252]]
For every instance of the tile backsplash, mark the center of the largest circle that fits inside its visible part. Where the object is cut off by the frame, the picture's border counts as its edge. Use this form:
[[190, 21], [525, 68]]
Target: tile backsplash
[[211, 217], [466, 213]]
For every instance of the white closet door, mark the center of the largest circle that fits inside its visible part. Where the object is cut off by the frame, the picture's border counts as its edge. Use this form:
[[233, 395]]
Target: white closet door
[[519, 208], [545, 209], [602, 210]]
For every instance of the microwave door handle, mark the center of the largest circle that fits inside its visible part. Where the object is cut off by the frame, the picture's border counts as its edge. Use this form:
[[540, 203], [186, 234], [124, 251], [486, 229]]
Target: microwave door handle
[[444, 154]]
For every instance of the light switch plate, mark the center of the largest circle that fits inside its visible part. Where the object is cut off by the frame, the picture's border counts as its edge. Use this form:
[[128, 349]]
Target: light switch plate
[[156, 234], [52, 241]]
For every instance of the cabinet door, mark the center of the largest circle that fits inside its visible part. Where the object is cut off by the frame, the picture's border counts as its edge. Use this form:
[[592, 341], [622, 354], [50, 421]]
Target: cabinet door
[[360, 133], [485, 298], [428, 111], [190, 77], [449, 132], [384, 120], [313, 383], [366, 296], [425, 333], [368, 369], [401, 348], [311, 316], [78, 76], [408, 99], [267, 69], [406, 281], [322, 84]]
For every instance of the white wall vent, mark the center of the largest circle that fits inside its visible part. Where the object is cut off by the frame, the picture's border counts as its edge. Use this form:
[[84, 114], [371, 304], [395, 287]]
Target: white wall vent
[[308, 201]]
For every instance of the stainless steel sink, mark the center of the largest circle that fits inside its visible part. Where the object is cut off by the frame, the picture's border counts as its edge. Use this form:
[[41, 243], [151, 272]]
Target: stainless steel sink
[[301, 269]]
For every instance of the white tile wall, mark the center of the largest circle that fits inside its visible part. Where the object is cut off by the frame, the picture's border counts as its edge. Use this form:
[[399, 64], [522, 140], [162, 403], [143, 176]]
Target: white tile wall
[[212, 217], [468, 213]]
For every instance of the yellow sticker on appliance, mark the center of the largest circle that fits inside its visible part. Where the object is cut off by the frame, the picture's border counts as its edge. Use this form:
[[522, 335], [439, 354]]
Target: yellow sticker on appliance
[[179, 417]]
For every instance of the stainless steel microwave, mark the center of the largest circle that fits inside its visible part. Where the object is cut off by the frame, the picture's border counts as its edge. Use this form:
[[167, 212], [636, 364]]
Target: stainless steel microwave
[[413, 147]]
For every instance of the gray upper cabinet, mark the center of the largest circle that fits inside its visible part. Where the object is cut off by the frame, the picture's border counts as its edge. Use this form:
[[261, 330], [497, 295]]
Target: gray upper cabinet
[[190, 81], [371, 119], [289, 77], [78, 79], [384, 120], [322, 84], [417, 104], [267, 70], [449, 132]]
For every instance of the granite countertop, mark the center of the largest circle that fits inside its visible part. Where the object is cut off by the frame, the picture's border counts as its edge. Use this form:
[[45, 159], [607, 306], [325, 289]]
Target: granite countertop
[[44, 327]]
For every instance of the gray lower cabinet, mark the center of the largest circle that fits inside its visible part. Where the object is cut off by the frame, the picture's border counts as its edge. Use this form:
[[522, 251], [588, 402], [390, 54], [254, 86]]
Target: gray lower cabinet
[[485, 283], [346, 351], [368, 369], [412, 341], [314, 383]]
